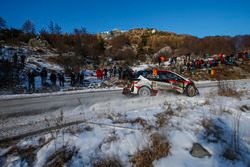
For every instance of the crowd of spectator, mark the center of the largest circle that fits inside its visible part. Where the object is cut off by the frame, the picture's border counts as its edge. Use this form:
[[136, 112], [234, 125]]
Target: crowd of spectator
[[188, 64]]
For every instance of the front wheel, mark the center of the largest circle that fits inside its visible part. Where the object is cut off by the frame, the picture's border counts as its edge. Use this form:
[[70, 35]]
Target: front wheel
[[144, 91], [191, 90]]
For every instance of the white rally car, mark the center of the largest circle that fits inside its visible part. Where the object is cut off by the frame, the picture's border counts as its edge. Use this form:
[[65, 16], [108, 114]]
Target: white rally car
[[147, 84]]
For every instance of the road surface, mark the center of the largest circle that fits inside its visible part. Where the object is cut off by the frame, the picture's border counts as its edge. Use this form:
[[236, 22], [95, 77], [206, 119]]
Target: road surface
[[25, 115], [32, 105]]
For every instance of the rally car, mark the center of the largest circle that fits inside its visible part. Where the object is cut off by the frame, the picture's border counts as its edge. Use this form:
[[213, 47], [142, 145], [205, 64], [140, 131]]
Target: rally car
[[149, 82]]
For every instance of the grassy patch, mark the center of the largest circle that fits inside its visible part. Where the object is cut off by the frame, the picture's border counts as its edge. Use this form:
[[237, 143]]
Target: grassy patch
[[77, 129], [27, 154], [159, 147], [7, 143], [108, 162], [61, 157], [228, 89], [111, 138], [162, 118], [138, 120]]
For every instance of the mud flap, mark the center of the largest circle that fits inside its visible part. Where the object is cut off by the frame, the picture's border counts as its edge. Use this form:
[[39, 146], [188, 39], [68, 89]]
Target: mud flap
[[126, 91], [197, 91]]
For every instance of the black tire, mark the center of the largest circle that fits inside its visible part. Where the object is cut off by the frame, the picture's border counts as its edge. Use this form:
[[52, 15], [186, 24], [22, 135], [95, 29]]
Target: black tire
[[144, 91], [191, 90]]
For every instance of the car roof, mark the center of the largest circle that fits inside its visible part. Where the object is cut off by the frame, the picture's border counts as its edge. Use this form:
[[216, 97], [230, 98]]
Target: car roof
[[157, 70], [164, 71]]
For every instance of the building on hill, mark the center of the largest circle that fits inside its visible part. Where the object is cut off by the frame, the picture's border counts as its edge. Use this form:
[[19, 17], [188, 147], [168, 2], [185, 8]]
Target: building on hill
[[107, 35]]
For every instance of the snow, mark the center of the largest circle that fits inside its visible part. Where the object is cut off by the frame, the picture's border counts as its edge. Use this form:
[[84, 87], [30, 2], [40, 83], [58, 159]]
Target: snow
[[38, 62], [142, 67], [148, 66], [182, 130]]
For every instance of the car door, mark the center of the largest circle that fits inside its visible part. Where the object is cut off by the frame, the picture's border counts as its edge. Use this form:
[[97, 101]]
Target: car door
[[176, 82], [163, 81]]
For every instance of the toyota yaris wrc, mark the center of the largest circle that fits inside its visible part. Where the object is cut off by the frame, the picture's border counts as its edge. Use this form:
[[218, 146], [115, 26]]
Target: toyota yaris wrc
[[149, 82]]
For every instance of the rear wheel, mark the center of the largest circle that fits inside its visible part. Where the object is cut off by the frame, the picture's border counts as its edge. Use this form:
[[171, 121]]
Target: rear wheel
[[191, 90], [144, 91]]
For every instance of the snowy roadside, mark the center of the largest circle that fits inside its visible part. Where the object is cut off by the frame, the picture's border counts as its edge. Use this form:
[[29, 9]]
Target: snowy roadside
[[120, 129]]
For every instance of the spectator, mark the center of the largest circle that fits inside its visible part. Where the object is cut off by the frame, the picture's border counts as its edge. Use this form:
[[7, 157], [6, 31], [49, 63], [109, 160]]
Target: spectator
[[114, 70], [120, 72], [43, 76], [110, 72], [102, 73], [72, 78], [61, 78], [31, 80], [81, 77], [99, 73], [22, 60], [77, 78], [105, 73], [53, 78], [161, 59]]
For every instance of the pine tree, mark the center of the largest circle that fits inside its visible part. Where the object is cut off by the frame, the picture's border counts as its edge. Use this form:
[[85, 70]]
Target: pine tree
[[54, 28]]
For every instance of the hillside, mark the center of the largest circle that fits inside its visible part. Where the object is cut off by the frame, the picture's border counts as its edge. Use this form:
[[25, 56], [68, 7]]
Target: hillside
[[133, 48], [129, 46], [148, 41]]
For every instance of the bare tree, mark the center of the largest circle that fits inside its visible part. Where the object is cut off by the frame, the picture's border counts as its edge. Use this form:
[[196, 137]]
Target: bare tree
[[28, 27], [51, 27], [43, 31], [2, 23], [58, 29], [54, 28], [79, 31]]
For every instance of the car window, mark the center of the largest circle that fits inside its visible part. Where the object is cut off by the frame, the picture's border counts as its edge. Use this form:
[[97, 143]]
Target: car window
[[168, 76], [163, 75], [144, 73]]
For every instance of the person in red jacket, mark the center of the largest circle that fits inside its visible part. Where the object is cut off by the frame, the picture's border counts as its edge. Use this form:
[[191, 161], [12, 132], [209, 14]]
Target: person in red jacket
[[161, 59], [101, 73], [98, 73]]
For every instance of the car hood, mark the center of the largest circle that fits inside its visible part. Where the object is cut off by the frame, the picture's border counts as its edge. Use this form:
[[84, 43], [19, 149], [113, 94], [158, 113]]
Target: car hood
[[142, 78]]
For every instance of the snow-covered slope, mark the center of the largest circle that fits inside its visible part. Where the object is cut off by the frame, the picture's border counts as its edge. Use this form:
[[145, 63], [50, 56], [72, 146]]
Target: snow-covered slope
[[119, 128]]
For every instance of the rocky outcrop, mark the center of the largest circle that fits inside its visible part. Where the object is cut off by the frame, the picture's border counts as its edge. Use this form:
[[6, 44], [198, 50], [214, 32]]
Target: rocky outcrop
[[37, 42], [166, 51], [199, 151]]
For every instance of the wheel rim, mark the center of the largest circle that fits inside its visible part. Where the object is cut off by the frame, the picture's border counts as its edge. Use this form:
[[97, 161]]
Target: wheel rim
[[144, 92]]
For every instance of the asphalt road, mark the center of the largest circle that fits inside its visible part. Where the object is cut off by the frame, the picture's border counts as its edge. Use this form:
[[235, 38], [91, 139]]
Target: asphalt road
[[26, 115], [39, 104], [32, 105]]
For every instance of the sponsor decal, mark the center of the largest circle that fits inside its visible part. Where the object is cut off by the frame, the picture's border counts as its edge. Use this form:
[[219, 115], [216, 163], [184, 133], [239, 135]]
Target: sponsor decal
[[176, 84], [153, 85]]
